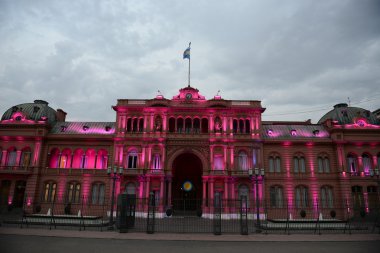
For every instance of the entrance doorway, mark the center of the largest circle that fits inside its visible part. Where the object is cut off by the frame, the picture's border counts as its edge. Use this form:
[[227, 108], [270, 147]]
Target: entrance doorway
[[187, 183], [19, 194]]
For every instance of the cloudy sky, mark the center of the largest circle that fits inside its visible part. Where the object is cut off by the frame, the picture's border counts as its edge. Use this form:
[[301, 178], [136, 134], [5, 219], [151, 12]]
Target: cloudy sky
[[298, 57]]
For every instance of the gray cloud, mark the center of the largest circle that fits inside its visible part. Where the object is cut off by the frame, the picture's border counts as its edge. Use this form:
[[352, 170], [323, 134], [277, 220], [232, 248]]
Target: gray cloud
[[295, 56]]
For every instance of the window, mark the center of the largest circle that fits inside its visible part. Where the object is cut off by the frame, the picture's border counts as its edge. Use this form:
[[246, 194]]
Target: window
[[274, 164], [97, 191], [367, 163], [132, 160], [276, 196], [299, 164], [218, 162], [352, 163], [1, 156], [63, 161], [323, 165], [49, 191], [327, 199], [73, 192], [11, 159], [243, 161], [83, 162], [156, 162], [302, 198], [25, 158]]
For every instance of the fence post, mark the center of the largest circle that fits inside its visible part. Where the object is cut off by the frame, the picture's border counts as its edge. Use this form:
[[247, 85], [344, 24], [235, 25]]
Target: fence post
[[151, 213], [217, 215], [52, 220], [243, 215], [317, 224], [348, 218], [287, 217]]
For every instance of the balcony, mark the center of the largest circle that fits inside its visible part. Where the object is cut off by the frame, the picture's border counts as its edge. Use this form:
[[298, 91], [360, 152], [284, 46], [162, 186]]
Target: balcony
[[74, 171], [20, 170]]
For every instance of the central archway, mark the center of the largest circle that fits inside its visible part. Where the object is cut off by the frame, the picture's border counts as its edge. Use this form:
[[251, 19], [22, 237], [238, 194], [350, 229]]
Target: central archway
[[187, 167]]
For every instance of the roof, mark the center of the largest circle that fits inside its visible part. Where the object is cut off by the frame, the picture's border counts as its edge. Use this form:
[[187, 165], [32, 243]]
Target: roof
[[344, 114], [294, 132], [85, 128], [39, 110]]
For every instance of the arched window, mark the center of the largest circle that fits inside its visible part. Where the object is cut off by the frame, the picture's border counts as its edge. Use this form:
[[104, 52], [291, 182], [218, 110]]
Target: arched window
[[235, 126], [274, 164], [247, 126], [352, 163], [1, 156], [218, 162], [243, 193], [327, 197], [323, 164], [156, 162], [50, 189], [102, 159], [276, 196], [54, 158], [129, 125], [141, 125], [26, 155], [132, 159], [172, 125], [187, 125], [241, 126], [97, 193], [299, 164], [179, 125], [135, 124], [243, 161], [11, 157], [197, 126], [73, 192], [302, 196], [204, 126], [367, 163]]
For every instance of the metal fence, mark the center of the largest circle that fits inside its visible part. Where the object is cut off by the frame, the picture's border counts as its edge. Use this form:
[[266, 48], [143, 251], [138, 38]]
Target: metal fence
[[220, 216]]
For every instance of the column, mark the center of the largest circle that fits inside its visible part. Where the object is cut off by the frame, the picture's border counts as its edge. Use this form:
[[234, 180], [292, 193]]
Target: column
[[211, 199], [4, 157], [204, 195]]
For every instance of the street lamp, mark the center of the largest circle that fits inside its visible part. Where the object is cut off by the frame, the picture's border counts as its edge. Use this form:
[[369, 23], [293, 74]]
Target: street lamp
[[258, 172], [115, 175]]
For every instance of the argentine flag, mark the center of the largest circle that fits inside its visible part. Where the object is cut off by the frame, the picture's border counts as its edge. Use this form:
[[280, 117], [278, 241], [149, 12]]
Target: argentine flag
[[186, 54]]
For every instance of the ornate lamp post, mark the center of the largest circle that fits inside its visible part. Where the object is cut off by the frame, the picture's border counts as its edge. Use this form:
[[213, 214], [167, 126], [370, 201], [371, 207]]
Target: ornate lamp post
[[258, 173], [115, 175]]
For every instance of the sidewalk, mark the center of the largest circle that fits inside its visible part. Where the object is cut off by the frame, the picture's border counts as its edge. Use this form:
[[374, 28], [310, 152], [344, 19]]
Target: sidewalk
[[189, 237]]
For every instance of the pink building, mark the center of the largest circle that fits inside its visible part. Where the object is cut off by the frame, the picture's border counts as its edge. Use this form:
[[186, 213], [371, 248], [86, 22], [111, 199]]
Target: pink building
[[194, 149]]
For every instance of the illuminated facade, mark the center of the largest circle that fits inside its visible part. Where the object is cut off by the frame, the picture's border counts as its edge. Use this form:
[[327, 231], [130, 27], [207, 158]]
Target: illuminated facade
[[189, 147]]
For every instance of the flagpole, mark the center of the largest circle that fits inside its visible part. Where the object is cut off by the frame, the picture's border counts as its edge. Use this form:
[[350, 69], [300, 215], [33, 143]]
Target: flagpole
[[189, 67]]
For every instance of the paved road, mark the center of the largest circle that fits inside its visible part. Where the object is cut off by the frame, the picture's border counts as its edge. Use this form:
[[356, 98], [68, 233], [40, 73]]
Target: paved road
[[31, 244]]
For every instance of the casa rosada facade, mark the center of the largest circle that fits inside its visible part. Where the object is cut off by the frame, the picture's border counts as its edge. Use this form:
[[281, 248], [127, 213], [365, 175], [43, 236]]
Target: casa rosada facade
[[189, 147]]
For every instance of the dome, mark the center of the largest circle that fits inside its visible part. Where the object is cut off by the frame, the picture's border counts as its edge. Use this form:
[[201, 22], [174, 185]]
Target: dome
[[39, 110], [344, 114]]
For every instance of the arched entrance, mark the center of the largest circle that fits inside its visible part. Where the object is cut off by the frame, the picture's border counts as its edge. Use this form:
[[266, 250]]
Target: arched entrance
[[187, 182]]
